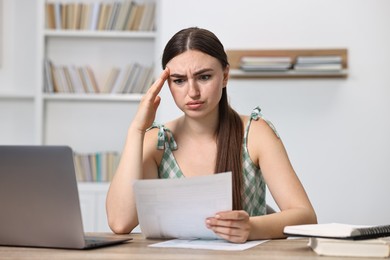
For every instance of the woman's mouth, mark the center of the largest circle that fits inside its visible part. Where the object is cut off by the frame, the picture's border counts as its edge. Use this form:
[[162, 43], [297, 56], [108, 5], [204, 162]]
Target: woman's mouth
[[193, 105]]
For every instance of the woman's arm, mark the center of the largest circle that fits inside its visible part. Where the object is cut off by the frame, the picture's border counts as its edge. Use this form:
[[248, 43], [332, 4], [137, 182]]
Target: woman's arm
[[135, 161], [267, 151], [283, 183]]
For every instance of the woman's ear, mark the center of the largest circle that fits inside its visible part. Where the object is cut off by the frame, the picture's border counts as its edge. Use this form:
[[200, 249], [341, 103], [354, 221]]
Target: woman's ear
[[226, 75]]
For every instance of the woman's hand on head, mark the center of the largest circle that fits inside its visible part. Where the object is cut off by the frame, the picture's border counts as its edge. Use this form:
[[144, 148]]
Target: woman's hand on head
[[233, 226], [149, 103]]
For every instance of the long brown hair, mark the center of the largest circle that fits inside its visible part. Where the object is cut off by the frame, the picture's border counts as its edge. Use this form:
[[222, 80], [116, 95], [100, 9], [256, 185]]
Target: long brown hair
[[230, 131]]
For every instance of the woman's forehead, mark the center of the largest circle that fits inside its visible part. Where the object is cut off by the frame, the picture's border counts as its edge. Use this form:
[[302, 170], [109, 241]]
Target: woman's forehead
[[192, 60]]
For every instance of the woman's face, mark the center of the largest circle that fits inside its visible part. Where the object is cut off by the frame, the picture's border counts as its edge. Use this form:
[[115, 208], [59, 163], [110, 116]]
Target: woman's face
[[196, 81]]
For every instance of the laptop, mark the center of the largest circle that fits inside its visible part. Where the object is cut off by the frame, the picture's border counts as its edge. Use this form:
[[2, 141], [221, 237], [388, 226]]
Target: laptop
[[39, 200]]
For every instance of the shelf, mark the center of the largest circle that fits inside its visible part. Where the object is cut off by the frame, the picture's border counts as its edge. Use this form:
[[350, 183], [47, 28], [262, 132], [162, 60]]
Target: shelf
[[93, 186], [100, 34], [234, 57], [93, 97], [237, 73], [8, 95]]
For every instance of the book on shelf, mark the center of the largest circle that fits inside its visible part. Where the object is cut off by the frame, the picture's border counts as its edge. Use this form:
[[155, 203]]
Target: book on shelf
[[138, 12], [103, 16], [48, 76], [133, 78], [146, 80], [319, 63], [319, 59], [95, 167], [111, 19], [50, 18], [123, 15], [114, 15], [110, 80], [338, 231], [78, 86], [120, 82], [73, 16], [258, 63], [149, 79], [147, 18], [57, 14], [378, 247], [93, 17], [265, 59], [318, 67]]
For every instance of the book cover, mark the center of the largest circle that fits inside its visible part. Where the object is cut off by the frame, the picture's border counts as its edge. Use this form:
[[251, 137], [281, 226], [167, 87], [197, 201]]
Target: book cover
[[258, 63], [265, 60], [319, 67], [58, 16], [319, 59], [94, 19], [379, 247], [338, 231], [110, 80], [50, 16], [123, 15]]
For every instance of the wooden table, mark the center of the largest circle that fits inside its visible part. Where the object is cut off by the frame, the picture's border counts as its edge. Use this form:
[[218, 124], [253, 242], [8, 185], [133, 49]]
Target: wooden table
[[138, 249]]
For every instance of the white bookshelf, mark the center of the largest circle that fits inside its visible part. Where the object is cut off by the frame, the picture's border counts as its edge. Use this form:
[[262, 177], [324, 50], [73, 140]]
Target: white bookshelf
[[88, 122], [101, 118], [16, 96], [94, 97], [100, 34], [92, 202]]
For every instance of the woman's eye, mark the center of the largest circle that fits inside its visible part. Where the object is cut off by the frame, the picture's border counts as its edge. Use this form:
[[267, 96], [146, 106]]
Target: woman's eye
[[178, 81], [205, 77]]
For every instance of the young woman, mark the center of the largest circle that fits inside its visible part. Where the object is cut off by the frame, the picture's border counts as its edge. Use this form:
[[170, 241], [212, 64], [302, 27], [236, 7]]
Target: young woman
[[210, 137]]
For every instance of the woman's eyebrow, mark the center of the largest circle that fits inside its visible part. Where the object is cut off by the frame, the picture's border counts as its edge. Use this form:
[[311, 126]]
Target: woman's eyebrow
[[177, 75], [202, 71]]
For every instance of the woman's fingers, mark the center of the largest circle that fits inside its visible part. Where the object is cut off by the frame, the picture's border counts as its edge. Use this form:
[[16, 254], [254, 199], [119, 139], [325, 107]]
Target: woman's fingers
[[232, 235], [230, 225], [149, 103], [156, 87], [233, 219]]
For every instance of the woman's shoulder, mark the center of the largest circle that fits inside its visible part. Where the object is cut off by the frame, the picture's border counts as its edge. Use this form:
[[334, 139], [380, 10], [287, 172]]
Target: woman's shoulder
[[160, 134], [167, 125], [259, 125]]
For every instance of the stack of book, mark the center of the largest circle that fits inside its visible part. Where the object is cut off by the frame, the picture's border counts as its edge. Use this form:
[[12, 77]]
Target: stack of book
[[96, 167], [134, 78], [266, 64], [317, 64], [125, 15], [334, 239]]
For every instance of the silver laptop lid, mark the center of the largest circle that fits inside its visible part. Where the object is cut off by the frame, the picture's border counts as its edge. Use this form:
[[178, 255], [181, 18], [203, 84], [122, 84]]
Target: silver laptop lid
[[38, 197]]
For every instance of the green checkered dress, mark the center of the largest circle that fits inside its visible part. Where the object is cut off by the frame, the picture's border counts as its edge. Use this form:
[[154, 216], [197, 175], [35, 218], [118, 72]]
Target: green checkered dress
[[253, 193]]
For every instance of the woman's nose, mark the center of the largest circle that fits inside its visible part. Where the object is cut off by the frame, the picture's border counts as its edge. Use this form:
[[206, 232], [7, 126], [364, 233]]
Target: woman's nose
[[193, 89]]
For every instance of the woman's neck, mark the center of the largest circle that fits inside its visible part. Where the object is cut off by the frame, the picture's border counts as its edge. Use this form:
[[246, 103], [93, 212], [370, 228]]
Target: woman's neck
[[199, 128]]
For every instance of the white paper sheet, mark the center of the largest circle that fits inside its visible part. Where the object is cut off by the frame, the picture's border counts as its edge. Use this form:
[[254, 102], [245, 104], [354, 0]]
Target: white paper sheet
[[217, 244], [178, 208]]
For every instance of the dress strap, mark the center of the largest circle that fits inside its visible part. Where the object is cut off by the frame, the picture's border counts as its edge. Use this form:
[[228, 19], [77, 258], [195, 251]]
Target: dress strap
[[255, 115], [165, 137]]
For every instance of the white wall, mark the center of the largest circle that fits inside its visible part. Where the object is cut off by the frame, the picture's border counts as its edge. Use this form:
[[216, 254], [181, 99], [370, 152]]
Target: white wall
[[336, 130], [17, 71]]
